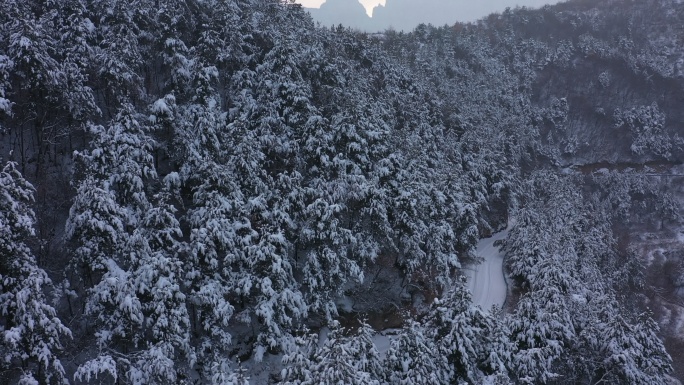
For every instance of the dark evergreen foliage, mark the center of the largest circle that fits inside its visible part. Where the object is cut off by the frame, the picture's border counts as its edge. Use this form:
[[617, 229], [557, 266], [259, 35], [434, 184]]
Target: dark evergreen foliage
[[233, 174]]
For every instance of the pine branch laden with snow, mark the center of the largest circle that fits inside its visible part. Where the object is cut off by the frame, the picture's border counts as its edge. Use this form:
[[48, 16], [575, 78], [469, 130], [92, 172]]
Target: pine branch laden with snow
[[565, 311], [339, 359], [411, 359], [467, 336], [214, 176], [136, 296], [32, 334]]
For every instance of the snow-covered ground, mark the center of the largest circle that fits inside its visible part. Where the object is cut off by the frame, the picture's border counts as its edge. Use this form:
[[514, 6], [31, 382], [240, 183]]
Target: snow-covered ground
[[486, 281], [382, 340]]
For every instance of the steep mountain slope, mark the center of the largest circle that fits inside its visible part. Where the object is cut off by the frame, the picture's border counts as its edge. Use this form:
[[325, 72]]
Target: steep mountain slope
[[591, 85], [217, 180]]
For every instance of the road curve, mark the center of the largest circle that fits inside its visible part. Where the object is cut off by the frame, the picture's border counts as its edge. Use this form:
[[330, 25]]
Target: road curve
[[486, 281]]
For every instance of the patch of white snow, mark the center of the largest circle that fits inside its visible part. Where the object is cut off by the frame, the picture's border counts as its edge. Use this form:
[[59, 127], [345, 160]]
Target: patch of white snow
[[486, 281]]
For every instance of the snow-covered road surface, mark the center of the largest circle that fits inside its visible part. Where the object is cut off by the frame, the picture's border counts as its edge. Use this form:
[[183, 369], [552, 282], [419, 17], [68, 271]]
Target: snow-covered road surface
[[486, 281]]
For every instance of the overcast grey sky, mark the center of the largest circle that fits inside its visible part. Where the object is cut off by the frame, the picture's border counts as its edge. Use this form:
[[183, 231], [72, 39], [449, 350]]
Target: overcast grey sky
[[406, 14]]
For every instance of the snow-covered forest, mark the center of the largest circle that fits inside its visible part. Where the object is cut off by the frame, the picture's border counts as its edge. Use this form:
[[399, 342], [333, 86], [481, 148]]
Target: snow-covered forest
[[223, 192]]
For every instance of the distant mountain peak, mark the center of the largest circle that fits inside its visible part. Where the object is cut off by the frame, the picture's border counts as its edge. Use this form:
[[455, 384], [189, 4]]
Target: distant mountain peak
[[407, 14], [350, 13]]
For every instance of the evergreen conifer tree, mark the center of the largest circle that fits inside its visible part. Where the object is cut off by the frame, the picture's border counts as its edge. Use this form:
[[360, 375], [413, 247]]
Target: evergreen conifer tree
[[31, 332]]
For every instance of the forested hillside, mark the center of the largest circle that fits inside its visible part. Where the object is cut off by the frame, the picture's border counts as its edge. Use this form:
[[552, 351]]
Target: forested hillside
[[222, 192]]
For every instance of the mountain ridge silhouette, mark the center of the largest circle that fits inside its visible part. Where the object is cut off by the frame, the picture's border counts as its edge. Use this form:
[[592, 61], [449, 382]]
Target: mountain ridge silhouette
[[407, 14]]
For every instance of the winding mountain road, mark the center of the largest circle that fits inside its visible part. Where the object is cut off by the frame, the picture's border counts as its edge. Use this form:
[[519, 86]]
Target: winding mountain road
[[486, 281]]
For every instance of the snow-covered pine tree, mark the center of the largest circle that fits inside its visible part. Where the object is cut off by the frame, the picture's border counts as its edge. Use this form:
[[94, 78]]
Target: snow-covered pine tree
[[412, 358], [341, 359], [271, 103], [223, 374], [138, 302], [76, 54], [540, 248], [165, 355], [49, 46], [365, 353], [173, 26], [298, 363], [95, 227], [5, 68], [114, 171], [121, 53], [212, 217], [343, 156], [112, 202], [28, 40], [30, 44], [540, 329], [467, 336], [569, 322], [630, 352], [30, 330]]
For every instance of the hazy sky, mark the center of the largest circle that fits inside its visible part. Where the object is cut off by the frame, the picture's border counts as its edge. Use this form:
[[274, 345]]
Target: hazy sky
[[369, 4], [486, 7]]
